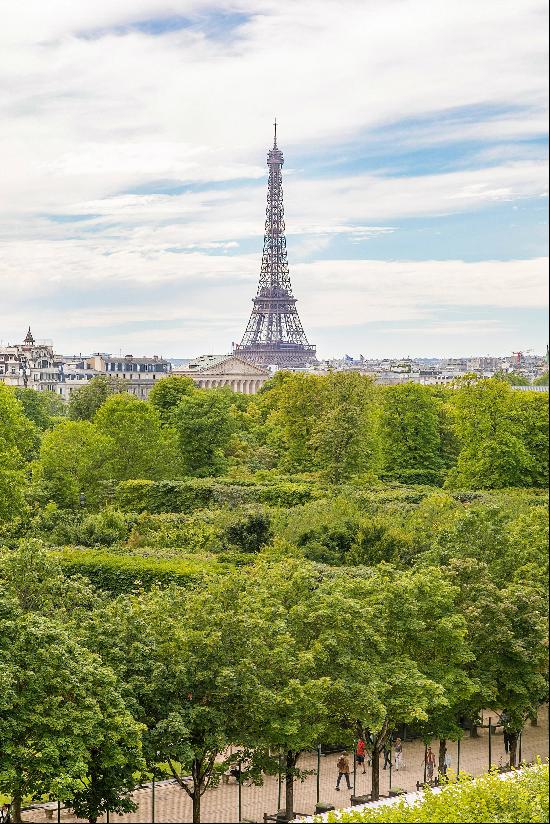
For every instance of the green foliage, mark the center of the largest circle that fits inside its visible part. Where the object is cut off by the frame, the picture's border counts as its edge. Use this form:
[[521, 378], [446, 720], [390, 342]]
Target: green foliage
[[16, 430], [35, 581], [489, 799], [132, 496], [42, 408], [104, 528], [84, 402], [199, 493], [410, 437], [251, 532], [75, 457], [513, 378], [129, 573], [343, 438], [58, 704], [378, 541], [142, 447], [495, 425], [13, 483], [166, 395], [204, 425], [184, 533], [542, 380]]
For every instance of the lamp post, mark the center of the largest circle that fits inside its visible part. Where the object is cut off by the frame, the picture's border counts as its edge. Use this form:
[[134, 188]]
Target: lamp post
[[318, 773]]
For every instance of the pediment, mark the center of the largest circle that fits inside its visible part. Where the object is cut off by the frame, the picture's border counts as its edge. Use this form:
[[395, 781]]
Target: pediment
[[235, 366]]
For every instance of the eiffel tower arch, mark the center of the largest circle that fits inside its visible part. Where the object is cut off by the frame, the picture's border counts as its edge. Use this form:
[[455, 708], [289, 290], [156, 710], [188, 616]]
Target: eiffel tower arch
[[274, 334]]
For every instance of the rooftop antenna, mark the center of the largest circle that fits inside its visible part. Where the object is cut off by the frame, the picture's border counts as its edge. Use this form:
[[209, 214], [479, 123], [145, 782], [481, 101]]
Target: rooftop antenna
[[275, 134]]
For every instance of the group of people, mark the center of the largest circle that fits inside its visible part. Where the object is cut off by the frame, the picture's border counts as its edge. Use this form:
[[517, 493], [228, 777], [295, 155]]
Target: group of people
[[364, 753]]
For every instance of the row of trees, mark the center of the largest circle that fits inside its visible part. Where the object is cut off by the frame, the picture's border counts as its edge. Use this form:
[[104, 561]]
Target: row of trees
[[277, 657], [481, 435]]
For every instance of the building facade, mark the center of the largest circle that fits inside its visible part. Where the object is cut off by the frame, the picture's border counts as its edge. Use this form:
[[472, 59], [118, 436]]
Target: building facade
[[210, 372], [30, 364], [35, 365], [141, 374]]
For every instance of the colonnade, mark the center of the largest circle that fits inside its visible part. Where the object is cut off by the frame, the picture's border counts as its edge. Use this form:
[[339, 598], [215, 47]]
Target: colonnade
[[247, 386]]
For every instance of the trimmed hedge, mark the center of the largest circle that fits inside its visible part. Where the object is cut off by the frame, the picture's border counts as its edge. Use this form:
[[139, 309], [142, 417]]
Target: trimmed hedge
[[518, 797], [127, 573], [200, 493]]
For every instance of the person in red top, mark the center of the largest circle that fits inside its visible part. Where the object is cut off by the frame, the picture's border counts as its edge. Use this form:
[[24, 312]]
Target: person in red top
[[360, 754]]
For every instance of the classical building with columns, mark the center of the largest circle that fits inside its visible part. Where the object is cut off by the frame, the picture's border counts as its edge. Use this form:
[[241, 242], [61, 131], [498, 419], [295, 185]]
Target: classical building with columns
[[211, 371]]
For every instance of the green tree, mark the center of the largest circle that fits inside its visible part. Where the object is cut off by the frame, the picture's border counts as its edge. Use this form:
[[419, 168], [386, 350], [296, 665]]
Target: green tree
[[204, 425], [84, 402], [37, 584], [166, 395], [113, 761], [507, 630], [542, 380], [42, 408], [143, 448], [410, 438], [16, 430], [530, 417], [297, 402], [75, 457], [57, 704], [343, 437], [182, 659], [513, 378], [493, 449], [13, 483]]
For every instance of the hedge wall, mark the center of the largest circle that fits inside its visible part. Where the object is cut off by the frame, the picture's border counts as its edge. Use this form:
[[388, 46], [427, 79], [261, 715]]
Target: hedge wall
[[126, 573], [201, 493]]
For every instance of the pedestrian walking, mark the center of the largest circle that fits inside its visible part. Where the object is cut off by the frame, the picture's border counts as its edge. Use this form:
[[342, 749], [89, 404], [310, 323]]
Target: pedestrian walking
[[447, 762], [398, 749], [429, 760], [343, 770], [360, 754]]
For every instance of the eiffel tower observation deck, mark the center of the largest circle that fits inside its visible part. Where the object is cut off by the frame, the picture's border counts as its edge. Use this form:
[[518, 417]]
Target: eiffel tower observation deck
[[274, 334]]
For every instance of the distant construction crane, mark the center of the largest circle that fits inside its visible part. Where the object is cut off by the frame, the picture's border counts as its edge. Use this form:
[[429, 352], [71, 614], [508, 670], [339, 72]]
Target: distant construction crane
[[520, 355]]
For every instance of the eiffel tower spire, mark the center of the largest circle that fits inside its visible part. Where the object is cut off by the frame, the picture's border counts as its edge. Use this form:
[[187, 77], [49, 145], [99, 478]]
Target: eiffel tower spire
[[274, 334]]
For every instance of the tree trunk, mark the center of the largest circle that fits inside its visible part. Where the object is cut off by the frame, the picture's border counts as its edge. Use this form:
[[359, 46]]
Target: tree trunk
[[196, 796], [513, 748], [16, 809], [442, 754], [473, 731], [375, 773], [291, 758], [534, 721]]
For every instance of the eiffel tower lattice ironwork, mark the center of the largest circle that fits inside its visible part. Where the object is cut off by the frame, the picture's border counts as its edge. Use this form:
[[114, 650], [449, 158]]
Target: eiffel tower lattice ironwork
[[274, 334]]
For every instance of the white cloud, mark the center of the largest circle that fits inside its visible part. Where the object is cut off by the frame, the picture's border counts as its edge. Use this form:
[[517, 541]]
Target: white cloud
[[205, 306], [93, 107], [86, 117]]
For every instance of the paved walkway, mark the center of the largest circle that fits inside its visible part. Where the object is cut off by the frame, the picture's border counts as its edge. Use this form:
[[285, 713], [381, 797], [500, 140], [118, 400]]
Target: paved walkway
[[221, 804]]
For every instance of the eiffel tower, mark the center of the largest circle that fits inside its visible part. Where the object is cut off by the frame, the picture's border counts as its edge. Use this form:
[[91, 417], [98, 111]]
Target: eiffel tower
[[274, 334]]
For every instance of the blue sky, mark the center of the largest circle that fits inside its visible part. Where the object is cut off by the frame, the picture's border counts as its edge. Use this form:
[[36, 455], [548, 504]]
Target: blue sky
[[415, 139]]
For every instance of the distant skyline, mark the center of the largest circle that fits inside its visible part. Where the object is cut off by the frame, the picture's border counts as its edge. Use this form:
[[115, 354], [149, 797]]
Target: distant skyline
[[133, 149]]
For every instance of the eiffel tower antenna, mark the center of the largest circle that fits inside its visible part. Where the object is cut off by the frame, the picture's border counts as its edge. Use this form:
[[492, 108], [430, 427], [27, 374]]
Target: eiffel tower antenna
[[274, 334]]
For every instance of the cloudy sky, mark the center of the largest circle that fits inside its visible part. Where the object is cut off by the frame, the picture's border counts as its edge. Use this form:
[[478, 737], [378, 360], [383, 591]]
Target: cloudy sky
[[133, 146]]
